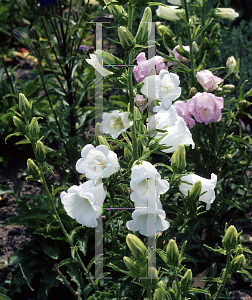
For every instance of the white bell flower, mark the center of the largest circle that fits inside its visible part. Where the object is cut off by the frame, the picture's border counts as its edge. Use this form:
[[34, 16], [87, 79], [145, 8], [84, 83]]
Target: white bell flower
[[148, 224], [170, 13], [83, 203], [208, 186], [93, 61], [147, 185], [97, 162], [177, 2], [166, 88], [177, 134], [177, 131], [115, 123]]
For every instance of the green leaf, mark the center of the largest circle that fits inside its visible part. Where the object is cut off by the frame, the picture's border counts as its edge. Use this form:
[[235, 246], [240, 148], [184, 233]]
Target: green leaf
[[12, 134], [4, 189], [162, 255], [194, 290], [241, 94], [51, 232], [51, 249], [4, 297]]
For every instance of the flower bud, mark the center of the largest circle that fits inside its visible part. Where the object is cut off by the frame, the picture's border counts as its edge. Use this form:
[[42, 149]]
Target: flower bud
[[159, 294], [144, 28], [176, 287], [126, 38], [225, 13], [215, 54], [97, 128], [238, 262], [20, 126], [172, 294], [178, 159], [231, 64], [33, 169], [195, 48], [228, 87], [34, 129], [137, 248], [103, 141], [153, 276], [230, 239], [186, 281], [193, 92], [243, 104], [40, 152], [195, 192], [34, 34], [118, 12], [108, 58], [24, 107], [131, 266], [161, 28], [172, 254]]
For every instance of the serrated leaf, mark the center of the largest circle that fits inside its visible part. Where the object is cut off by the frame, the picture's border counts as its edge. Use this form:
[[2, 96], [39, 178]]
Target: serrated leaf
[[162, 255]]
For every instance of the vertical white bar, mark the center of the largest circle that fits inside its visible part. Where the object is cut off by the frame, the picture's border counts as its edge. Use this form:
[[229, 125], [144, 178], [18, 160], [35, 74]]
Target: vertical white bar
[[98, 117], [151, 217]]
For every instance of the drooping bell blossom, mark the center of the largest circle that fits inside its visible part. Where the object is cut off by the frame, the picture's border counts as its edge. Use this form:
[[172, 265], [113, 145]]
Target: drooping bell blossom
[[170, 13], [163, 87], [205, 107], [47, 2], [176, 134], [148, 223], [178, 56], [208, 81], [176, 130], [83, 203], [182, 110], [93, 61], [226, 13], [177, 2], [208, 186], [115, 123], [146, 184], [150, 67], [141, 102], [97, 162]]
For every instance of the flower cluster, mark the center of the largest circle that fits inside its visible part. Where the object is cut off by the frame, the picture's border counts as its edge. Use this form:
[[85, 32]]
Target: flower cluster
[[84, 202], [147, 186]]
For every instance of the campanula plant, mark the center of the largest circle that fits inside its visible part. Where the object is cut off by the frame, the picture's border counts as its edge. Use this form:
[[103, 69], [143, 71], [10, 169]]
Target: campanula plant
[[163, 173]]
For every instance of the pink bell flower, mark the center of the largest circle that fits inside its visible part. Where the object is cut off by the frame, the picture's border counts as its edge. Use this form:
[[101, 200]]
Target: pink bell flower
[[208, 81], [205, 107], [144, 67], [182, 110]]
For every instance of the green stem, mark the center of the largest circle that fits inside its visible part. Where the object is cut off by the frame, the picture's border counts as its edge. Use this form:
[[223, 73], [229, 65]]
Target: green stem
[[51, 202], [173, 177], [190, 45], [225, 278], [182, 227], [149, 293]]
